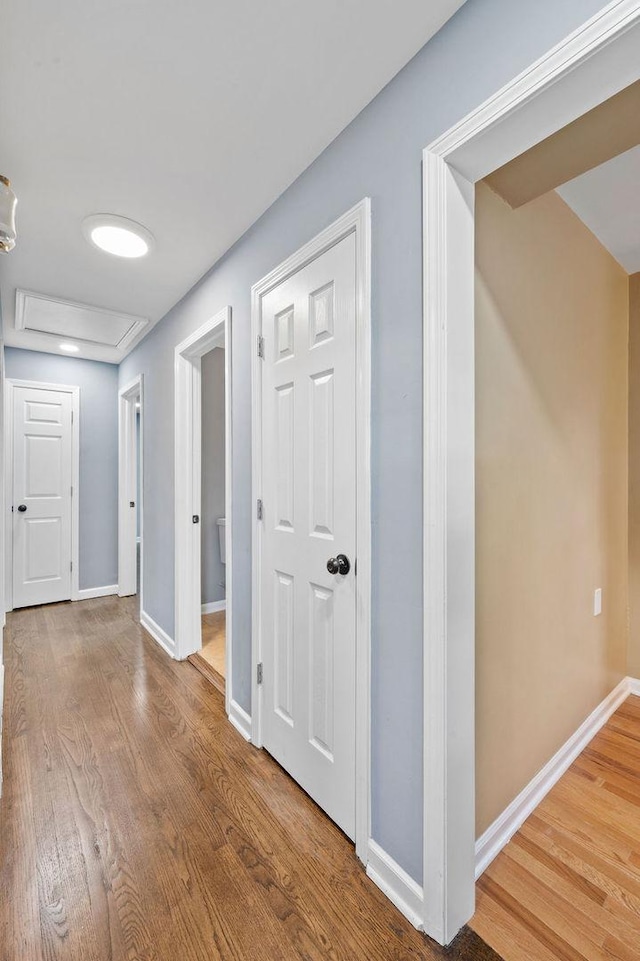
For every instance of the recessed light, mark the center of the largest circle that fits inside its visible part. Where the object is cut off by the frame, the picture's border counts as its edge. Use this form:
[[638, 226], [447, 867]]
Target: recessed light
[[117, 235], [69, 348]]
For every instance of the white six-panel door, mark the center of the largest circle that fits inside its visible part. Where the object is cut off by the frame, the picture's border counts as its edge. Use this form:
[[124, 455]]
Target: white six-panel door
[[42, 479], [308, 614]]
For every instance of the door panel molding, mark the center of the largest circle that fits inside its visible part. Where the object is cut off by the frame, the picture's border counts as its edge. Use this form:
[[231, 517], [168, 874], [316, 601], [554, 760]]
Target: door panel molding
[[356, 221], [10, 384]]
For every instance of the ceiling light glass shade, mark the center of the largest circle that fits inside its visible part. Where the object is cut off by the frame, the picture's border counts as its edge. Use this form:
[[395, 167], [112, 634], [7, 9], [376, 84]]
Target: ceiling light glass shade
[[8, 201], [69, 348], [117, 235]]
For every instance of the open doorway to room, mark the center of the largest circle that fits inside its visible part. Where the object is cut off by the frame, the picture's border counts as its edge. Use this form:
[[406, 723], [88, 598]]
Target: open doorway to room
[[462, 661], [130, 490], [557, 259], [203, 501], [211, 658]]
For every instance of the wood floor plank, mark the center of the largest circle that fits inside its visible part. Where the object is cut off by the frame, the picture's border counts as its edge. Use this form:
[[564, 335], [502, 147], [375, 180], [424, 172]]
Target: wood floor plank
[[568, 883], [493, 921], [138, 825]]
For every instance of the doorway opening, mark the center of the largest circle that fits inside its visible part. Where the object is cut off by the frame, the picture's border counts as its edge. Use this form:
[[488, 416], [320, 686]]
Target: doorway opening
[[211, 658], [131, 490], [203, 502], [594, 63]]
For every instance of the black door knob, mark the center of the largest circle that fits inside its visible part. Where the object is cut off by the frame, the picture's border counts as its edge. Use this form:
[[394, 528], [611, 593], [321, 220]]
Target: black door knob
[[339, 565], [22, 508]]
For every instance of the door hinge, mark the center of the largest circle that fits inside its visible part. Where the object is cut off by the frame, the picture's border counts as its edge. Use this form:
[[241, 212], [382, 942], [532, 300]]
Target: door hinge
[[72, 491], [260, 346], [259, 510], [259, 673], [72, 417], [71, 565]]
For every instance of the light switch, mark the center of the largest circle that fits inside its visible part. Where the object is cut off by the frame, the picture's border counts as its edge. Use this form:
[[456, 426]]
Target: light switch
[[597, 602]]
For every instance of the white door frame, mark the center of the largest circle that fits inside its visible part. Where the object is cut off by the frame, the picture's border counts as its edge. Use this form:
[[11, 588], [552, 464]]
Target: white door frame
[[10, 384], [588, 67], [216, 332], [128, 454], [356, 221]]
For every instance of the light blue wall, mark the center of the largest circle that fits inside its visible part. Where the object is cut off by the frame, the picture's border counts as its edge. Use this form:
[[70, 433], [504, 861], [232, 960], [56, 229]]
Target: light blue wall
[[98, 385], [486, 44]]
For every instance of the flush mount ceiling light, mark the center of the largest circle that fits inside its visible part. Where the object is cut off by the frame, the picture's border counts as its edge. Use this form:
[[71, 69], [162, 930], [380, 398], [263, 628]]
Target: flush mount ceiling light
[[69, 348], [117, 235], [8, 201]]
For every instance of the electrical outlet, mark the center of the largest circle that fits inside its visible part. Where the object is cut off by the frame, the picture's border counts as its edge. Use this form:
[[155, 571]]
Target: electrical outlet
[[597, 602]]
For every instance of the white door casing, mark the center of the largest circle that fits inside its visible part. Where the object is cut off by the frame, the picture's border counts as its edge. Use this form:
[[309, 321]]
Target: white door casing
[[590, 65], [130, 460], [42, 495], [311, 474]]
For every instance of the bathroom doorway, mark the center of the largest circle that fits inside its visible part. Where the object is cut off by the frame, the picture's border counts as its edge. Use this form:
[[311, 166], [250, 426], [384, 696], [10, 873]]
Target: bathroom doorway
[[213, 519], [203, 502]]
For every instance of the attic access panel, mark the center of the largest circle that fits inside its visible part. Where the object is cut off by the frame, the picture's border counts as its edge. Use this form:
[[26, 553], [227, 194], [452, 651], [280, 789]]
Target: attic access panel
[[92, 325]]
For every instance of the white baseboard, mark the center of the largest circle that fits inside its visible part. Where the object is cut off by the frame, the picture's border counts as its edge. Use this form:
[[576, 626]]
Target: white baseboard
[[214, 606], [240, 719], [156, 632], [398, 886], [634, 686], [513, 817], [88, 592]]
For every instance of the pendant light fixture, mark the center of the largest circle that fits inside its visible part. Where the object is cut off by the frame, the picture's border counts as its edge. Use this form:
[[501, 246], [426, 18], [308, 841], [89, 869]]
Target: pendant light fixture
[[8, 201]]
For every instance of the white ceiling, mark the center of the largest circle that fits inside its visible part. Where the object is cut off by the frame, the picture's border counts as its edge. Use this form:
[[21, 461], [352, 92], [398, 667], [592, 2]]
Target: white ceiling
[[190, 118], [607, 200]]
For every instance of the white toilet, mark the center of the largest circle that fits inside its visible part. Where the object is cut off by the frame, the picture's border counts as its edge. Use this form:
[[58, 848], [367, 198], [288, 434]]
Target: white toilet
[[222, 537]]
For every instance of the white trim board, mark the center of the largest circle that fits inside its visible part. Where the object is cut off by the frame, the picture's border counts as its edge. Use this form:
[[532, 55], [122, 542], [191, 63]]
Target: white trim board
[[157, 633], [398, 886], [586, 68], [74, 390], [86, 593], [356, 221], [240, 719], [212, 607], [498, 834], [129, 455]]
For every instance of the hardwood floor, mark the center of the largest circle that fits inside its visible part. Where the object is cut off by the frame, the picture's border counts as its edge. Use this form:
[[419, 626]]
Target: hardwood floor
[[137, 825], [568, 885], [214, 640], [210, 661]]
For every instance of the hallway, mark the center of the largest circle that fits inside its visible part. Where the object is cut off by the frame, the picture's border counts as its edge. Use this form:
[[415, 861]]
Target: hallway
[[137, 824]]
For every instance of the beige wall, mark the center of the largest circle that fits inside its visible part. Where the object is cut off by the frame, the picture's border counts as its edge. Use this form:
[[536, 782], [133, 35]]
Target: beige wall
[[633, 665], [598, 135], [551, 366]]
